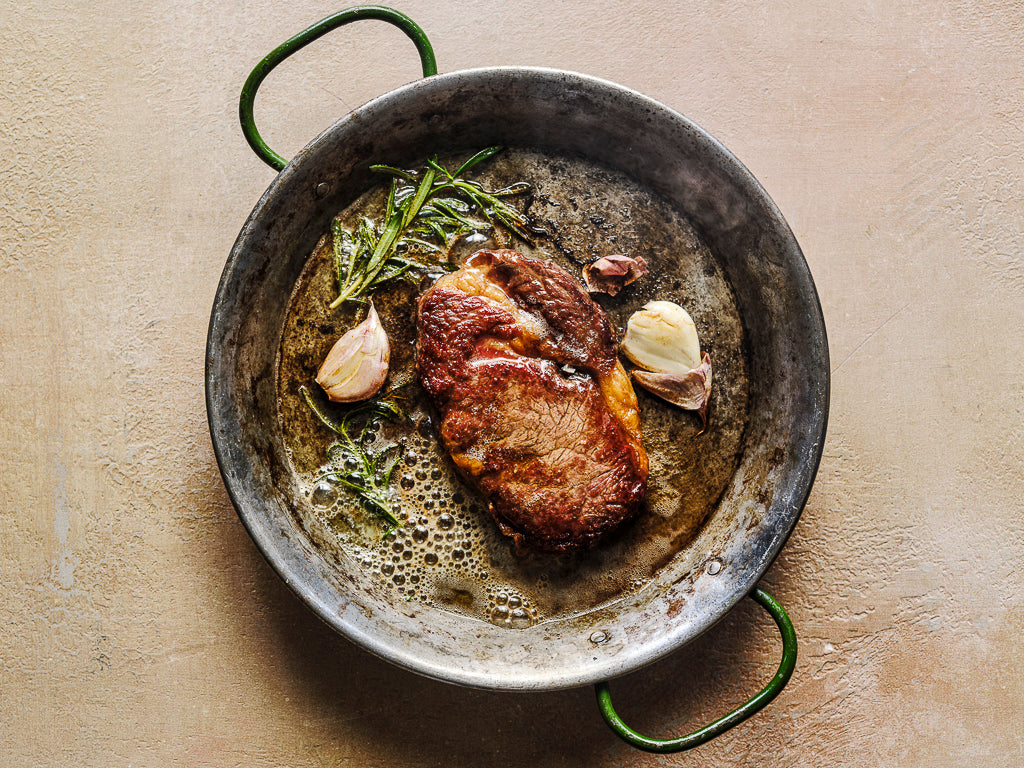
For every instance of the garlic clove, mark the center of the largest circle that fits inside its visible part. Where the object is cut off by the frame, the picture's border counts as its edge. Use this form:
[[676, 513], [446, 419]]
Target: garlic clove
[[610, 274], [357, 364], [661, 337], [690, 391]]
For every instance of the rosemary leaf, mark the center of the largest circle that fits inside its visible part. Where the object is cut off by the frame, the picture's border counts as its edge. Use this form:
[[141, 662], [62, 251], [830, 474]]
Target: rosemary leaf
[[421, 196], [479, 157], [393, 171]]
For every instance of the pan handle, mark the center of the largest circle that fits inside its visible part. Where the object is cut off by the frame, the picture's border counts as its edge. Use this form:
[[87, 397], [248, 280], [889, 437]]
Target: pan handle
[[723, 724], [304, 38]]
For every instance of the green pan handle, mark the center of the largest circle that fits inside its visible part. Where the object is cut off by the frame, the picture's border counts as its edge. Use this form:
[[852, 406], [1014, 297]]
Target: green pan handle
[[304, 38], [737, 716]]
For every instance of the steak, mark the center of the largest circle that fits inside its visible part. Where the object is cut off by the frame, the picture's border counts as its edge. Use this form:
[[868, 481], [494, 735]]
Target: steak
[[536, 410]]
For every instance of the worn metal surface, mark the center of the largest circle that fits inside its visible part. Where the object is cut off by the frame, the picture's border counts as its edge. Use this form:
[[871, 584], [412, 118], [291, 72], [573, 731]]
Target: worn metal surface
[[782, 342]]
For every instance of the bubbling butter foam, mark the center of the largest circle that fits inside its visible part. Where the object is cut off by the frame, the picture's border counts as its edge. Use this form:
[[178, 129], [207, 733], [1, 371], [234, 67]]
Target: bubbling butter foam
[[441, 553]]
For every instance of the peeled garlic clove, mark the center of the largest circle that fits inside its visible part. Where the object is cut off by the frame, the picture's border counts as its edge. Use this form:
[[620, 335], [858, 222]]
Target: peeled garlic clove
[[690, 391], [357, 364], [661, 337], [610, 274]]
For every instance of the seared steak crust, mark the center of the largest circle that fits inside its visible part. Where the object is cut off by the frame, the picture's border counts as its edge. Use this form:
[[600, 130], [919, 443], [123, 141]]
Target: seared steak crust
[[536, 410], [579, 331]]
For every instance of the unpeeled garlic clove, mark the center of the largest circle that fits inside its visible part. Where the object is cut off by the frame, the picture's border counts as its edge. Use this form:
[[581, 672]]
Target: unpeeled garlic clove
[[610, 274], [357, 364], [690, 391], [661, 337]]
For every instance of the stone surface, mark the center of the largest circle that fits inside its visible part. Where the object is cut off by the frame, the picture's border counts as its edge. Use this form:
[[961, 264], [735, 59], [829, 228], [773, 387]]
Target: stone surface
[[141, 627]]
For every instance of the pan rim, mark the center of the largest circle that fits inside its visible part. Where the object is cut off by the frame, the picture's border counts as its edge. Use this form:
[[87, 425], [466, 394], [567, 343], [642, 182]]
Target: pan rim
[[587, 671]]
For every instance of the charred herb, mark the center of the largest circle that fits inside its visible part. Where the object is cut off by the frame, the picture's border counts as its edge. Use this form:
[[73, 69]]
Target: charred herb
[[425, 214], [365, 473]]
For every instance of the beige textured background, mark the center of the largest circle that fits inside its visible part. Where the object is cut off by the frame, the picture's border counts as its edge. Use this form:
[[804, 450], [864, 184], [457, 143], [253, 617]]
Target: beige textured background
[[141, 627]]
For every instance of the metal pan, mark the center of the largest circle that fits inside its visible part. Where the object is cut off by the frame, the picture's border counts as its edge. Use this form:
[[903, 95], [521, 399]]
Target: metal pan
[[613, 170]]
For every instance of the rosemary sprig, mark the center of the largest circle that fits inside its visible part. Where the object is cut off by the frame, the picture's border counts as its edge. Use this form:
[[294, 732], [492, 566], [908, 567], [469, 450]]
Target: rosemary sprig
[[425, 213], [367, 475]]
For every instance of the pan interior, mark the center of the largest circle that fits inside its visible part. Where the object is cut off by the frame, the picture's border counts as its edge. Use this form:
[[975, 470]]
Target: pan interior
[[448, 554]]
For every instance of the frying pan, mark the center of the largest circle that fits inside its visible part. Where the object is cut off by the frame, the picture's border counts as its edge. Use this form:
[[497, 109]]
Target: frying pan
[[623, 154]]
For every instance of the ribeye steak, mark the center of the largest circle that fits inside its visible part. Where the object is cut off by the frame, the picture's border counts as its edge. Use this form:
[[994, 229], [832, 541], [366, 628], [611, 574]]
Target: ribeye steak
[[537, 411]]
